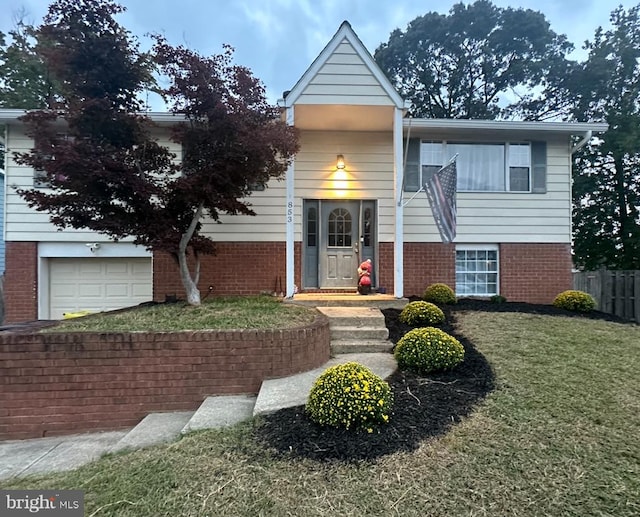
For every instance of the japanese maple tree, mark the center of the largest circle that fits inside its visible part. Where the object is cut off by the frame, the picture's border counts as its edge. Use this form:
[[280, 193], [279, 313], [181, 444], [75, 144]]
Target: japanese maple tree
[[96, 150]]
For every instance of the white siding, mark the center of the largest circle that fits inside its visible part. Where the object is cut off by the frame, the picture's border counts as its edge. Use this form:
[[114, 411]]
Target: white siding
[[502, 216], [27, 224], [368, 158], [2, 246], [346, 79]]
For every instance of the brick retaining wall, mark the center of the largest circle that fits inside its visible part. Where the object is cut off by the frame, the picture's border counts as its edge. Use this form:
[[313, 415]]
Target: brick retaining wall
[[58, 383]]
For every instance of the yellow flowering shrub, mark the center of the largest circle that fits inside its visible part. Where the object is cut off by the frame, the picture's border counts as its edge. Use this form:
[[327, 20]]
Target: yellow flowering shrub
[[428, 349], [577, 301], [441, 294], [351, 396], [421, 313]]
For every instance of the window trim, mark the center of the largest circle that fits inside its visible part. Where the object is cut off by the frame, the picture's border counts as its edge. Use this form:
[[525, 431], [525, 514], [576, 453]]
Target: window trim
[[478, 247], [506, 145]]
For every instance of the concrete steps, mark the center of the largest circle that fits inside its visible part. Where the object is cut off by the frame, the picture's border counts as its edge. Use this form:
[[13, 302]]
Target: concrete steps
[[293, 391], [154, 429], [357, 334], [348, 299], [357, 329], [221, 411]]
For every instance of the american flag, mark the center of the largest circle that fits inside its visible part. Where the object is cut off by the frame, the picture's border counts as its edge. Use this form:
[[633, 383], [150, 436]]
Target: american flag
[[441, 192]]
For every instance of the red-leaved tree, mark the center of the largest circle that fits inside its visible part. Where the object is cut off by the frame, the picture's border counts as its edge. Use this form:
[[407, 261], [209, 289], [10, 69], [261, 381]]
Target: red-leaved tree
[[105, 171]]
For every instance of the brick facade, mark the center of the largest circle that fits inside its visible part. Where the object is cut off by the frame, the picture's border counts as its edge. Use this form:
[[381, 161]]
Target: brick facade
[[238, 268], [66, 383], [427, 263], [21, 282], [534, 273]]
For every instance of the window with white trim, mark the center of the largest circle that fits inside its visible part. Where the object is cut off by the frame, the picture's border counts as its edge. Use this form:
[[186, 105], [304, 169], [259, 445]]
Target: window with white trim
[[482, 167], [477, 270]]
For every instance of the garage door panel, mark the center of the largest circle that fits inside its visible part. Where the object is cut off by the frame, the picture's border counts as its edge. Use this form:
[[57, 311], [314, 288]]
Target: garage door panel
[[117, 269], [119, 290], [90, 267], [95, 284]]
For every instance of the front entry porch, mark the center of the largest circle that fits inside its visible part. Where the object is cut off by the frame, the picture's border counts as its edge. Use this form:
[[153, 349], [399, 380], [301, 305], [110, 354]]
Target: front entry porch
[[381, 301]]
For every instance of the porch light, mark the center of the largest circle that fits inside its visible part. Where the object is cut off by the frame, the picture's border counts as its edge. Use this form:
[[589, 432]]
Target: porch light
[[340, 162]]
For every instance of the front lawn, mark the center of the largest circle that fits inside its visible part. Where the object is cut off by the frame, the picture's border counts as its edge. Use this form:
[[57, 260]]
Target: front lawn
[[224, 312], [557, 436]]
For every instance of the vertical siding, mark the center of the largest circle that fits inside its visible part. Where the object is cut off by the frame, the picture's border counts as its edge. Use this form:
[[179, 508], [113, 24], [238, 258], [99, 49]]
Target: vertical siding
[[345, 79], [487, 217]]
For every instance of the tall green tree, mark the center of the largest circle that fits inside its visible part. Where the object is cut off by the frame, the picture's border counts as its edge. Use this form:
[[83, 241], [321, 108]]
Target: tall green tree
[[104, 169], [479, 61], [24, 80], [606, 181]]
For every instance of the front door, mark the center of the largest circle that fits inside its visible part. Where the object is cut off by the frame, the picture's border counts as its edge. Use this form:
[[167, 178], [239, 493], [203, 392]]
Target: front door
[[339, 244]]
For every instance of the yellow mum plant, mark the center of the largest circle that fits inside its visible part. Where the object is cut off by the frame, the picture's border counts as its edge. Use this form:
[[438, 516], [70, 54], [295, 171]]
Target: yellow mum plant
[[350, 396]]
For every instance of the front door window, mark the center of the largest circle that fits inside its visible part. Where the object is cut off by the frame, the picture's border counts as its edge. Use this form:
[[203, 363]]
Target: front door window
[[340, 228]]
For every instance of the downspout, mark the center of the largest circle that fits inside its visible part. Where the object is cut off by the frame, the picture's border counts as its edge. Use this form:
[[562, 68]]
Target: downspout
[[583, 142]]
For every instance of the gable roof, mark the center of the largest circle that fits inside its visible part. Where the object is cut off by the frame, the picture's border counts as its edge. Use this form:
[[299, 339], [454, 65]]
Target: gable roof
[[345, 32]]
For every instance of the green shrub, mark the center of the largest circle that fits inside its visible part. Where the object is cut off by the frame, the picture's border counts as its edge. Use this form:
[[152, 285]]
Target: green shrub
[[421, 313], [428, 349], [577, 301], [351, 396], [496, 298], [441, 294]]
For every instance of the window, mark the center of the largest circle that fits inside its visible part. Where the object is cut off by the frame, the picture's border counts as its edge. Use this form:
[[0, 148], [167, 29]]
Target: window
[[481, 167], [312, 227], [40, 177], [339, 231], [476, 270]]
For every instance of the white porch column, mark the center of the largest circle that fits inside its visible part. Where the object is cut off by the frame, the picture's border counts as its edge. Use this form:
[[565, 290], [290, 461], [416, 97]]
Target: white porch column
[[398, 171], [289, 219]]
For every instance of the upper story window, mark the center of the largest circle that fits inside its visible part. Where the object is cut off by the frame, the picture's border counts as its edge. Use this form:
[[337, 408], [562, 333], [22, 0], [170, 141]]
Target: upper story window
[[40, 177], [482, 167]]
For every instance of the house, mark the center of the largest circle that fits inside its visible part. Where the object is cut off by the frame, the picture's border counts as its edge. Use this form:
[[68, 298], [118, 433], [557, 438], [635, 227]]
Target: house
[[348, 196]]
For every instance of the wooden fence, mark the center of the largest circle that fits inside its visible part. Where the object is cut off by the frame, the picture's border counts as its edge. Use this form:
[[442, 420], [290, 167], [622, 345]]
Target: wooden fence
[[615, 292]]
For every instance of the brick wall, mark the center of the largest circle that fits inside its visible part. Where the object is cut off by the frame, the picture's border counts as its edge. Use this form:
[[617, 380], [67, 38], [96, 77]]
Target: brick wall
[[238, 268], [21, 282], [426, 263], [534, 273], [65, 383], [385, 266]]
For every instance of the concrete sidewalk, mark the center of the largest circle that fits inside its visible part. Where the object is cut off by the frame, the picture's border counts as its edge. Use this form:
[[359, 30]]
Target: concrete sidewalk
[[20, 458]]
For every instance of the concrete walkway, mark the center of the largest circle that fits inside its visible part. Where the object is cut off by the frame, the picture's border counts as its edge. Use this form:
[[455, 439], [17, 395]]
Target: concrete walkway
[[43, 455]]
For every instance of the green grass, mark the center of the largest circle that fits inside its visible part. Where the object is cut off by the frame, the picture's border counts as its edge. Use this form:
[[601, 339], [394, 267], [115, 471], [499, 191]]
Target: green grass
[[558, 437], [233, 312]]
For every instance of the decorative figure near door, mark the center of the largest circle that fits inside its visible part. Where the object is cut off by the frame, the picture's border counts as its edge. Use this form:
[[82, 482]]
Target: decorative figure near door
[[364, 274]]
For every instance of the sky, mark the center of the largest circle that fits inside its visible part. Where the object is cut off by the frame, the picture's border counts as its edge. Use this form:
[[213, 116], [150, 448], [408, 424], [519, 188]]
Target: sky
[[279, 39]]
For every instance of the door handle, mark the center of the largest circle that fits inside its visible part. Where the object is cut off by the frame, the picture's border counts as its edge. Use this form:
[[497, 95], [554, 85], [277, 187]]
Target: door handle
[[356, 248]]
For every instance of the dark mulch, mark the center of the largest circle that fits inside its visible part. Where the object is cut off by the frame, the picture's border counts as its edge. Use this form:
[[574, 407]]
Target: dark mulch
[[424, 406]]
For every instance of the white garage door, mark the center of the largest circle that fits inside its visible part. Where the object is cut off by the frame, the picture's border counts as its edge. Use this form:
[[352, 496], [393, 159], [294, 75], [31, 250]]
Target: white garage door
[[97, 284]]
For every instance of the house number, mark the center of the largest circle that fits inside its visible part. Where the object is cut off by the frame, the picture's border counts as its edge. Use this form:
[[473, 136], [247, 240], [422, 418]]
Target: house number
[[289, 212]]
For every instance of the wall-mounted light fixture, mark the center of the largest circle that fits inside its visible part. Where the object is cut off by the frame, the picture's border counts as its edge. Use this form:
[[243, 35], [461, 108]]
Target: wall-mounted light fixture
[[93, 246], [340, 162]]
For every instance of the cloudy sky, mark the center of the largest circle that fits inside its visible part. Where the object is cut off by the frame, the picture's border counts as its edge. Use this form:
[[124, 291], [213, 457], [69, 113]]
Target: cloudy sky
[[278, 39]]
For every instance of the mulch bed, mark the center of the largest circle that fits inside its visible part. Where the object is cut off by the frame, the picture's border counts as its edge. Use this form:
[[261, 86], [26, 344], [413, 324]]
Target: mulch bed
[[424, 406]]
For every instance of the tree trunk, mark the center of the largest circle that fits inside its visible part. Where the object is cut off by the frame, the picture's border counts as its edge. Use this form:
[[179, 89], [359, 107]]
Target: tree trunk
[[189, 282]]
